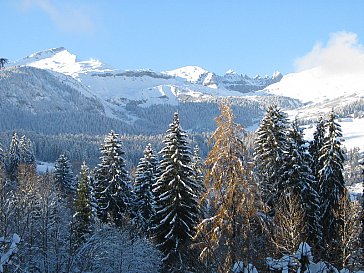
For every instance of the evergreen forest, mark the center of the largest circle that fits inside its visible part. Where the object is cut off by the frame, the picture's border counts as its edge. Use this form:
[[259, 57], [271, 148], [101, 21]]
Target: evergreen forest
[[182, 202]]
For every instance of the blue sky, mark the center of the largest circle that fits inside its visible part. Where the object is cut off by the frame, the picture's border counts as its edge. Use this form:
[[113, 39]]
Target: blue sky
[[251, 37]]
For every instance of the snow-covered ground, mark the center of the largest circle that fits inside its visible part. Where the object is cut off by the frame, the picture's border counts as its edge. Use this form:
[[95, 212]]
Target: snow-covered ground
[[43, 167], [352, 130], [356, 190]]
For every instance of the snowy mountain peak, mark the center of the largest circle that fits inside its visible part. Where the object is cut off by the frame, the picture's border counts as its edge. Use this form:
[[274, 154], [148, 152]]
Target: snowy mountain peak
[[46, 53], [189, 73], [61, 60], [277, 75], [230, 72]]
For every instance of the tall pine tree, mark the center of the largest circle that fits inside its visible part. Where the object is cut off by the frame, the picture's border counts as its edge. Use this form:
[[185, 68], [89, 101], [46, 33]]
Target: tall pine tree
[[12, 159], [82, 207], [316, 145], [197, 167], [176, 200], [270, 148], [112, 187], [331, 183], [299, 180], [63, 175], [26, 153], [145, 177]]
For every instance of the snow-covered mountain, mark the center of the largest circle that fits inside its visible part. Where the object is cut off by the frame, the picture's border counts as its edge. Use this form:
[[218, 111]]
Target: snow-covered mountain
[[123, 93], [62, 61], [146, 87], [41, 91], [230, 81]]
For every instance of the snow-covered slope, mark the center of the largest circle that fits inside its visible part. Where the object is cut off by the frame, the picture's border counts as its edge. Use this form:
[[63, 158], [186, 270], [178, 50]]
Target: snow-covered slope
[[317, 85], [41, 91]]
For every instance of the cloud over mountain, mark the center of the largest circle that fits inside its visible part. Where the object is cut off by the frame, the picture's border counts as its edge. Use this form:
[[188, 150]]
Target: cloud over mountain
[[343, 54]]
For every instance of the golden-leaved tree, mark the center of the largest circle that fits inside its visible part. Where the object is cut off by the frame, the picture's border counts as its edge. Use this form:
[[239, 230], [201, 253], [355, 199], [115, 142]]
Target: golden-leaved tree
[[228, 234]]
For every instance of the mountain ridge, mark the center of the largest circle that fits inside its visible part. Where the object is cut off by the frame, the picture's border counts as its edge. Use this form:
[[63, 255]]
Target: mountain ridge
[[129, 94]]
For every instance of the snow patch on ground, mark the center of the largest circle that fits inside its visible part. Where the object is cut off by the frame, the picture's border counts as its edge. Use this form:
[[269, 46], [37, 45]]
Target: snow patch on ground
[[43, 167], [352, 130]]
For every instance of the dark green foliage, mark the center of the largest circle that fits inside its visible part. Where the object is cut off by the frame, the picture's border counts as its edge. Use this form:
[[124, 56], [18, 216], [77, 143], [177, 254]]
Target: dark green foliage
[[112, 183], [299, 180], [63, 175], [197, 167], [82, 207], [12, 158], [145, 177], [270, 148], [176, 200], [331, 181], [26, 153], [316, 145]]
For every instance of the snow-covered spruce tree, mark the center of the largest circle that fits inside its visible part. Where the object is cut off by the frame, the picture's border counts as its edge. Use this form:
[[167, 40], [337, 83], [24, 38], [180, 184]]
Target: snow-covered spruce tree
[[197, 167], [12, 158], [316, 145], [145, 177], [331, 183], [299, 180], [112, 183], [26, 153], [176, 201], [82, 207], [63, 175], [228, 235], [270, 148]]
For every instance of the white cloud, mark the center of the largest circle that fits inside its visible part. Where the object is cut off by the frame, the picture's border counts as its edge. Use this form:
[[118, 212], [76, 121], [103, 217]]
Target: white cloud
[[66, 17], [342, 54]]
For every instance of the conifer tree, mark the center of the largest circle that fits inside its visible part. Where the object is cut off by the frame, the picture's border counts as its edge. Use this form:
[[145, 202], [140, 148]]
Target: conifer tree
[[175, 200], [112, 183], [12, 158], [197, 167], [63, 175], [316, 145], [299, 180], [331, 181], [82, 207], [26, 153], [145, 177], [228, 235], [270, 148]]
